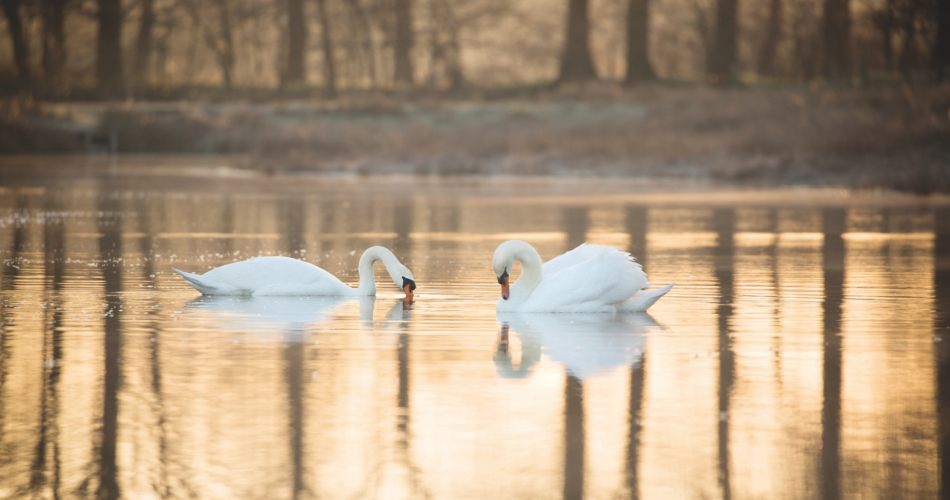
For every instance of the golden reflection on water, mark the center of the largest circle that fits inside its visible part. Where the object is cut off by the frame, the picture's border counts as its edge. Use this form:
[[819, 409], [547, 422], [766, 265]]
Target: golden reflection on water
[[795, 358]]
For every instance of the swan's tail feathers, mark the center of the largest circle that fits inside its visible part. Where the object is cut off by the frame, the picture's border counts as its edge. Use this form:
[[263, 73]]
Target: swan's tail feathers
[[206, 286], [642, 300]]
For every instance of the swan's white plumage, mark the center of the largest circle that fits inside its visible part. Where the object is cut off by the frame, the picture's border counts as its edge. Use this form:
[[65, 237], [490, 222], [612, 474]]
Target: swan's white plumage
[[263, 276], [284, 276], [642, 300], [590, 278]]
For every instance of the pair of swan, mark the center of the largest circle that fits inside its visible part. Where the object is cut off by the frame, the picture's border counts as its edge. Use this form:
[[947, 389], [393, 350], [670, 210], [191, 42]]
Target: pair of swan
[[590, 278]]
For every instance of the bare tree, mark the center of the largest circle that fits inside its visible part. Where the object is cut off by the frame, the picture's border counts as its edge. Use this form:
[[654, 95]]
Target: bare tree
[[638, 62], [836, 37], [885, 21], [365, 34], [11, 9], [402, 48], [223, 44], [296, 42], [766, 62], [703, 27], [941, 48], [455, 19], [444, 47], [54, 37], [806, 40], [143, 42], [576, 62], [168, 20], [326, 37], [109, 49], [723, 63], [908, 55]]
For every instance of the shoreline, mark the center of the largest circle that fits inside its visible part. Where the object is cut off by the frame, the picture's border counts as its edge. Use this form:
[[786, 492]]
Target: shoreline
[[189, 173]]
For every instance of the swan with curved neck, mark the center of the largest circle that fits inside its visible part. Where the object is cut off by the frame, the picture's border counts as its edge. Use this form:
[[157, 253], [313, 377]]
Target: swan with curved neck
[[263, 276], [590, 278]]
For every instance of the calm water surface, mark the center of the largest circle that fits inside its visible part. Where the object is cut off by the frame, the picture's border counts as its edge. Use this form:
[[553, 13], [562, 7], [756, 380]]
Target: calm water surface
[[802, 354]]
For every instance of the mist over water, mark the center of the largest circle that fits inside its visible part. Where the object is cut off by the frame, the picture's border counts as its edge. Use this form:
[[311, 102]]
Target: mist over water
[[802, 353]]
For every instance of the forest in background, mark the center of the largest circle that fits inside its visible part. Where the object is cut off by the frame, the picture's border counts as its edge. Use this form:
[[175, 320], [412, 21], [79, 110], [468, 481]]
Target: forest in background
[[109, 49], [851, 93]]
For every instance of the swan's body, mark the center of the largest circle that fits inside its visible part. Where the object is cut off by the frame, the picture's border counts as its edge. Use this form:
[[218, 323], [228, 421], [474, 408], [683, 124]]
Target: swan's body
[[283, 276], [590, 278]]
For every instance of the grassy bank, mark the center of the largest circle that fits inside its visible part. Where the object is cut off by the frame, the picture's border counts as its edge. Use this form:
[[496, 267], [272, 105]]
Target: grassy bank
[[886, 136]]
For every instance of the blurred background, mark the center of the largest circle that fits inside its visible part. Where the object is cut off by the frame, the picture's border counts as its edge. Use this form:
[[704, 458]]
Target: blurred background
[[750, 151], [806, 91]]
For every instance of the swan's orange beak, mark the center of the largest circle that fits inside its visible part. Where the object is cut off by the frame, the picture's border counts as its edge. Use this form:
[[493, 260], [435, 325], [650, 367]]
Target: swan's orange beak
[[504, 287], [408, 293]]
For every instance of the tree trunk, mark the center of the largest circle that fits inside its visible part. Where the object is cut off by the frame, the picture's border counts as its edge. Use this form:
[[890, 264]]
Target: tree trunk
[[576, 63], [444, 50], [143, 43], [908, 50], [54, 38], [297, 43], [887, 37], [941, 49], [638, 63], [329, 68], [766, 62], [723, 65], [454, 57], [403, 45], [704, 31], [109, 49], [161, 58], [836, 27], [11, 8], [225, 51], [367, 39]]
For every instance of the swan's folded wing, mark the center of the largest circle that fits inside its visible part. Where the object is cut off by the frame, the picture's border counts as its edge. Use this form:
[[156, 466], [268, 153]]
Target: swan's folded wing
[[261, 273], [642, 300], [571, 258], [207, 286], [606, 277]]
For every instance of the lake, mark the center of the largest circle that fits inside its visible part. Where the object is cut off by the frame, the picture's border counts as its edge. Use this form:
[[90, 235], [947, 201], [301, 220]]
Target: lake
[[803, 353]]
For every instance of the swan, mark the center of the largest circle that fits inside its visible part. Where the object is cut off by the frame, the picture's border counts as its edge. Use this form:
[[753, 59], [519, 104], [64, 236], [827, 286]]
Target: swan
[[283, 276], [590, 278]]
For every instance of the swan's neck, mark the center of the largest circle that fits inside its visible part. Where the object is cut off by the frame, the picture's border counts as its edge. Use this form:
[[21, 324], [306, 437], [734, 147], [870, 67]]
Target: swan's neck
[[370, 256], [531, 272]]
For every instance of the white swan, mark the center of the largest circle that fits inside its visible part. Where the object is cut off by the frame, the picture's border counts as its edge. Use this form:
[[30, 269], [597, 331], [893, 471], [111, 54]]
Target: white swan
[[284, 276], [590, 278]]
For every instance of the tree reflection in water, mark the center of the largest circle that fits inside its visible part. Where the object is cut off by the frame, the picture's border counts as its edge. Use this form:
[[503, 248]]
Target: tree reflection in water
[[116, 380]]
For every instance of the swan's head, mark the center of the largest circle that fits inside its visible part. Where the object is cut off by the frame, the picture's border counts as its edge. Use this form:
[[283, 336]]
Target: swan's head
[[402, 277], [400, 274], [502, 263]]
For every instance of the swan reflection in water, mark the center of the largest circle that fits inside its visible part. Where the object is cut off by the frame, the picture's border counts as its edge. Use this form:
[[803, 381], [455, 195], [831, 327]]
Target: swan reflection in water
[[291, 316], [586, 344]]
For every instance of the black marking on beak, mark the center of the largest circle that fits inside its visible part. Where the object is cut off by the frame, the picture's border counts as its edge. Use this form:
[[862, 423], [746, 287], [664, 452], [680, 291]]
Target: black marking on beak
[[407, 281], [501, 279]]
